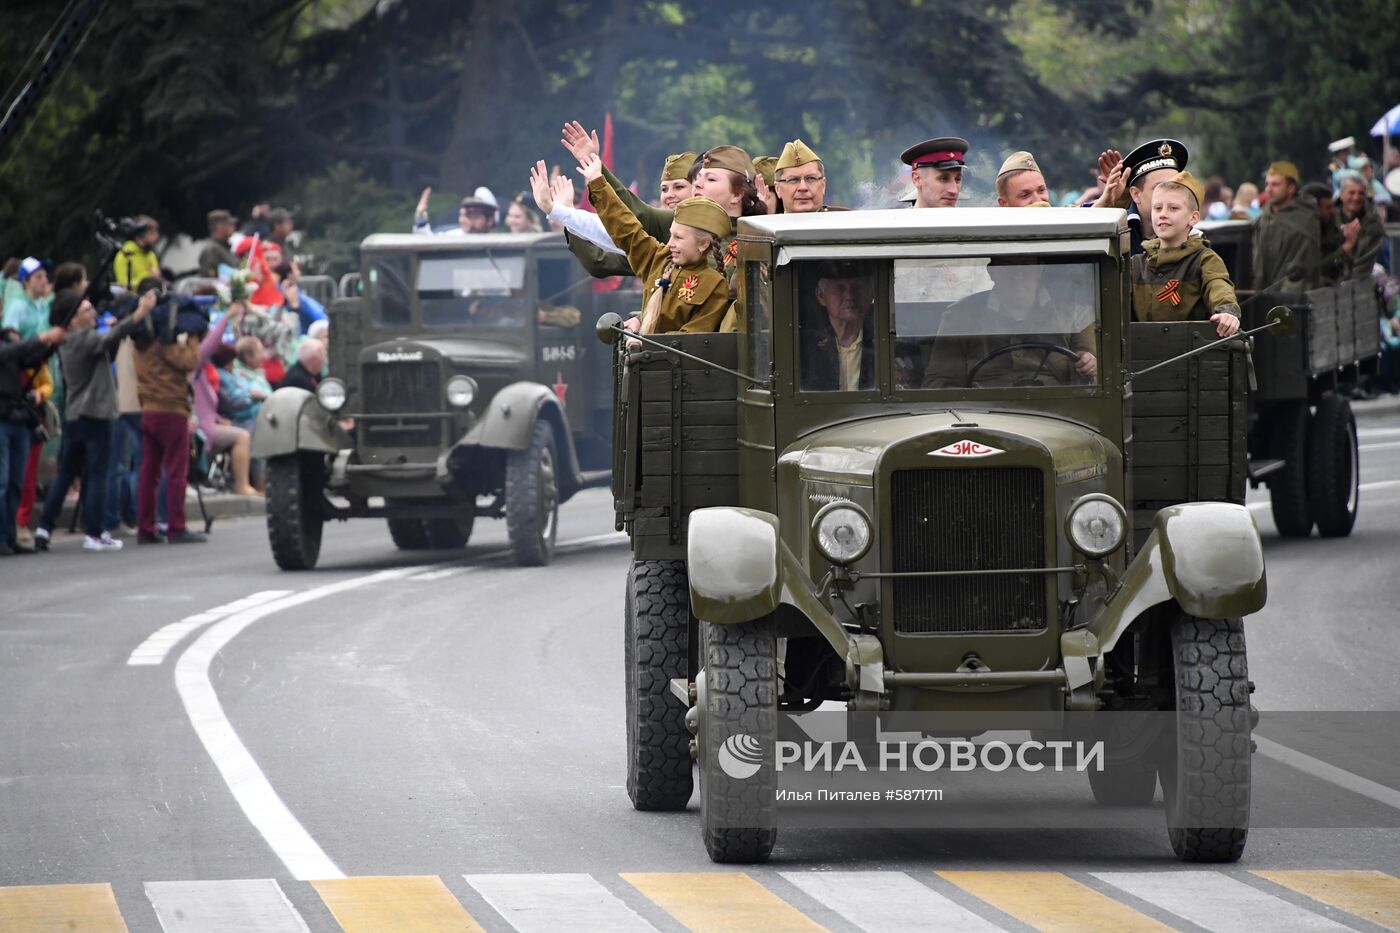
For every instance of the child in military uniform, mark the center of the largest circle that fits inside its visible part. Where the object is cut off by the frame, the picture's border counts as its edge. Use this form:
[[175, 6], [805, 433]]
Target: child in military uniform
[[1179, 277], [682, 291]]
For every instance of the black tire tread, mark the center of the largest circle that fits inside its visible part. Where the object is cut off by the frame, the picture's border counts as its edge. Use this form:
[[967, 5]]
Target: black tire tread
[[447, 533], [525, 518], [741, 679], [1208, 820], [1288, 488], [657, 649], [408, 534], [293, 527], [1331, 480]]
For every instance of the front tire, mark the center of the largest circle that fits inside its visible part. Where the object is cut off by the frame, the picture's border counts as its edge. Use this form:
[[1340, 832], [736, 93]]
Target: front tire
[[1333, 467], [1205, 769], [739, 728], [657, 649], [294, 517], [532, 498]]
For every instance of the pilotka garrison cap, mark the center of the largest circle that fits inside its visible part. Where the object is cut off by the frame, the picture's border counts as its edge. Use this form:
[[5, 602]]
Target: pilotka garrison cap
[[677, 166], [1192, 184], [1286, 169], [796, 153], [704, 214], [732, 158], [766, 166], [1020, 161], [945, 152]]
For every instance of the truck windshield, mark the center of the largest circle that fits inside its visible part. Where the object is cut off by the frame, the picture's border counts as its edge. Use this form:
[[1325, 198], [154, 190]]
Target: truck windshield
[[473, 290], [993, 322]]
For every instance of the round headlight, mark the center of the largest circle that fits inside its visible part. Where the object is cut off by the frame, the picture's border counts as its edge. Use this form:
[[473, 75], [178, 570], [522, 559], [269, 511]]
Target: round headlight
[[331, 394], [841, 532], [460, 391], [1096, 525]]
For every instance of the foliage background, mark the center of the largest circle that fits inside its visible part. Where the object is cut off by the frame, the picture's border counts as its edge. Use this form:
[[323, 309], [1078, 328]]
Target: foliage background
[[344, 109]]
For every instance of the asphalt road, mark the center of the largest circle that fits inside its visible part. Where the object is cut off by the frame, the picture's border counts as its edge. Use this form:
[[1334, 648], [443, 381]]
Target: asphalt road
[[435, 741]]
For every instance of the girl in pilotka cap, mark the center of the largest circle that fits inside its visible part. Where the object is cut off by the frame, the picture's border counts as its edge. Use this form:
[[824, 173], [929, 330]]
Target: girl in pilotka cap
[[682, 291]]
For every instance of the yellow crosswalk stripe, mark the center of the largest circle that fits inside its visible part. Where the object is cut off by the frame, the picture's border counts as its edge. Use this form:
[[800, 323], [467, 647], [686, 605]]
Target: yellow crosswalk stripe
[[371, 904], [1370, 895], [1053, 902], [721, 902], [70, 908]]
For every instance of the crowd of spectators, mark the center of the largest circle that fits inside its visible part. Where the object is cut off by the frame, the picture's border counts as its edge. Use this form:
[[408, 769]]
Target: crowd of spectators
[[125, 405]]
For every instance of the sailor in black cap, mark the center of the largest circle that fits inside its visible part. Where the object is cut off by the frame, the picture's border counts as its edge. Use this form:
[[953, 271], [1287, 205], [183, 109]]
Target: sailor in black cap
[[937, 170], [1140, 171]]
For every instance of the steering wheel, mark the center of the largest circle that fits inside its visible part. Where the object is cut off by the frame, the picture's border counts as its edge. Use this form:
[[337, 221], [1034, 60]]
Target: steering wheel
[[1045, 345]]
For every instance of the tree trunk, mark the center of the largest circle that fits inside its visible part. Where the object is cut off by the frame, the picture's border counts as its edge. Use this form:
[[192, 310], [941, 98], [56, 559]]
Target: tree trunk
[[481, 122]]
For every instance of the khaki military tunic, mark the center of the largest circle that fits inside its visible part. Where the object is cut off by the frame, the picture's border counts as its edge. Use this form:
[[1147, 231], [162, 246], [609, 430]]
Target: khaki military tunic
[[1286, 240], [1181, 283], [698, 295]]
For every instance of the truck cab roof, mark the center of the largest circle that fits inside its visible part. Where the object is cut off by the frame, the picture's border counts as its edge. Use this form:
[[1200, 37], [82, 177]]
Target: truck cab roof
[[972, 223]]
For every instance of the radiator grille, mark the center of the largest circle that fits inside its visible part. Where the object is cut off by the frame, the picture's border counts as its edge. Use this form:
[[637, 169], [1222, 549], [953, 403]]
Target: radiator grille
[[977, 519], [404, 389]]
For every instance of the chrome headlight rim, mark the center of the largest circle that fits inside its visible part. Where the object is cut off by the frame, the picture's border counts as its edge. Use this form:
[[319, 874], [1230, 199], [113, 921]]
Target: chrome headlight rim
[[1118, 510], [460, 391], [326, 394], [826, 510]]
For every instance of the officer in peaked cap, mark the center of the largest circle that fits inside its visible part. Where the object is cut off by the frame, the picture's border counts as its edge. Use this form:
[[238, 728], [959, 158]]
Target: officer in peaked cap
[[1144, 168], [937, 170]]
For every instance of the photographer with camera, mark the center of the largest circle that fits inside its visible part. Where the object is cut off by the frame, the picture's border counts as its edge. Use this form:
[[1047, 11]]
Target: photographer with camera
[[92, 407], [20, 361], [167, 354], [136, 261]]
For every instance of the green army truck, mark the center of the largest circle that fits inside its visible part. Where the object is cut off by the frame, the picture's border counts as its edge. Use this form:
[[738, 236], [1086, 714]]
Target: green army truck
[[1302, 435], [462, 385], [941, 522]]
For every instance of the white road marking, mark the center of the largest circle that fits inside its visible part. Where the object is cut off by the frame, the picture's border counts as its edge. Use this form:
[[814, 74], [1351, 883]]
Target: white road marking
[[1388, 445], [877, 901], [153, 650], [1377, 432], [250, 787], [546, 903], [1218, 902], [1330, 773], [1263, 505], [253, 906]]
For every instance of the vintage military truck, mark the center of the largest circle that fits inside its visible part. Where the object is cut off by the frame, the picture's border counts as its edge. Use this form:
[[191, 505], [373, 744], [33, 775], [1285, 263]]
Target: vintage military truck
[[461, 385], [942, 524], [1302, 437]]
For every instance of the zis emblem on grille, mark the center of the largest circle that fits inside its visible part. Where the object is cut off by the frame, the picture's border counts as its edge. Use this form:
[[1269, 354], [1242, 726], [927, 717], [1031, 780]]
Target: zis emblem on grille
[[966, 449]]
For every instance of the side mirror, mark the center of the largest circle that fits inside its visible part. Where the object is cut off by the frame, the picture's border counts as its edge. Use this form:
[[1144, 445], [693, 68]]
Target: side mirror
[[607, 327], [1280, 320]]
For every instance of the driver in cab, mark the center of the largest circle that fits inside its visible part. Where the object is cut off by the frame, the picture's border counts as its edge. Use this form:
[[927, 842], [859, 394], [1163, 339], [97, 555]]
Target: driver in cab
[[837, 328], [1026, 330]]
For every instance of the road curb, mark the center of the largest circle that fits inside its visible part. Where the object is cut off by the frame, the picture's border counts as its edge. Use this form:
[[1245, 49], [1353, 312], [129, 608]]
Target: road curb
[[216, 505]]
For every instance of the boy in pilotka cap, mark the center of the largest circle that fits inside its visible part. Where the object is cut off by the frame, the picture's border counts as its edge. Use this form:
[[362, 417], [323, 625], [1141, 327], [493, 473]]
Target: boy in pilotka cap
[[1178, 277]]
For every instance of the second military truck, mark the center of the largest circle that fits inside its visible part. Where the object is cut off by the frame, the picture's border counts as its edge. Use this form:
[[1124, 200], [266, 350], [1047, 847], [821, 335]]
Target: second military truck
[[461, 385]]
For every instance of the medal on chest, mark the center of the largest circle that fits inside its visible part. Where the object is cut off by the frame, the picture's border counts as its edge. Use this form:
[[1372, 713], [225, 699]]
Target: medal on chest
[[1170, 294], [687, 290]]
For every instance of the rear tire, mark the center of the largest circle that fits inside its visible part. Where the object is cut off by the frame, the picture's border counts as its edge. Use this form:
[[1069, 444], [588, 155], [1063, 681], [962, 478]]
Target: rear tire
[[1205, 768], [1129, 776], [532, 498], [294, 517], [657, 649], [739, 725], [408, 534], [1333, 467], [448, 533], [1288, 488]]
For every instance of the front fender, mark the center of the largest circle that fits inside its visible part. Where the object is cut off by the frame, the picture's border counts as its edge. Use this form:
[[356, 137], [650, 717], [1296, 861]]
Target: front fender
[[732, 560], [292, 420], [1205, 555], [507, 422]]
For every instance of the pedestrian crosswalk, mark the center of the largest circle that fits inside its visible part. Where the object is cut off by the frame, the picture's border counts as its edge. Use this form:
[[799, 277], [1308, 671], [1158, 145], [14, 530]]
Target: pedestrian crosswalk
[[762, 899]]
